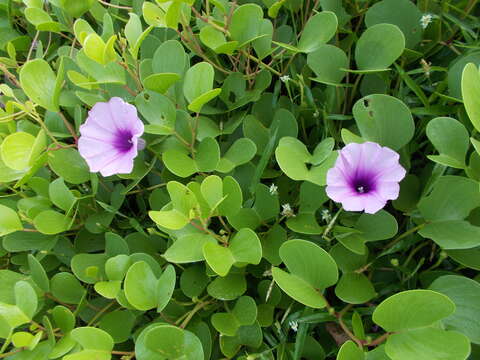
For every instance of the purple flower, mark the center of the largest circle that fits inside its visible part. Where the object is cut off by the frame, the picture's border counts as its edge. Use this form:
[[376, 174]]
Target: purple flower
[[110, 138], [365, 177]]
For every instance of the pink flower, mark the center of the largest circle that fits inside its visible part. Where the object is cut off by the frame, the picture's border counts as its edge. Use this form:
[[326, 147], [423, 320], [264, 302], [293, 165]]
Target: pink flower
[[110, 138], [365, 177]]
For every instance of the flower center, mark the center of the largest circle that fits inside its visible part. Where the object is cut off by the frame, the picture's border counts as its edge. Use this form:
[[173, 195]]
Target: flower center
[[363, 185], [124, 141]]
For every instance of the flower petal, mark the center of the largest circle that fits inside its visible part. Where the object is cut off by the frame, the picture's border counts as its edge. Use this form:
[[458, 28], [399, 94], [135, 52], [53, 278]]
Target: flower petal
[[89, 147], [373, 203], [388, 190], [122, 164], [339, 193]]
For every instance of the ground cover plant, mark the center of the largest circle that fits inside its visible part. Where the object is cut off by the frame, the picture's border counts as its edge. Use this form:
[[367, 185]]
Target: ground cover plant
[[239, 179]]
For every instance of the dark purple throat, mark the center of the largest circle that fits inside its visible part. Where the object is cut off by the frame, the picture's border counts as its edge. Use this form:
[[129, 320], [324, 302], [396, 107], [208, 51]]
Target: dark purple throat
[[123, 141], [363, 184]]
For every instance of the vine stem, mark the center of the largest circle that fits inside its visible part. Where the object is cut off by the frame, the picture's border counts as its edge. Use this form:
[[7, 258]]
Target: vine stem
[[405, 234], [115, 6], [10, 353], [197, 308]]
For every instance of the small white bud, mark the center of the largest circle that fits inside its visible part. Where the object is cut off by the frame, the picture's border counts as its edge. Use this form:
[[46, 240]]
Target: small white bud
[[273, 189], [293, 325], [425, 20], [287, 210], [285, 78]]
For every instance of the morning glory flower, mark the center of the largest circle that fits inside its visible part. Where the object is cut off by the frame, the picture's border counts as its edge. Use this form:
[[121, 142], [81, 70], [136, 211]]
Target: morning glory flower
[[365, 177], [110, 138]]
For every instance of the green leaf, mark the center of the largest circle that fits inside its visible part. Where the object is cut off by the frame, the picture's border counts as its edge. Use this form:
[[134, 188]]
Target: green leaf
[[140, 286], [350, 351], [378, 47], [96, 344], [50, 222], [40, 84], [312, 270], [244, 248], [173, 63], [327, 62], [471, 93], [378, 226], [208, 155], [68, 164], [403, 13], [452, 198], [67, 288], [319, 29], [354, 288], [16, 150], [165, 287], [451, 139], [60, 195], [412, 309], [452, 234], [384, 119], [426, 344], [160, 82], [38, 274], [293, 157], [159, 111], [246, 23], [169, 342], [9, 221], [465, 293], [188, 248], [241, 152], [198, 84]]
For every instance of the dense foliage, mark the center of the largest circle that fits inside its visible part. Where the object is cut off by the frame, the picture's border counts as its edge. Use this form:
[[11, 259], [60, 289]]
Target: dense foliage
[[222, 242]]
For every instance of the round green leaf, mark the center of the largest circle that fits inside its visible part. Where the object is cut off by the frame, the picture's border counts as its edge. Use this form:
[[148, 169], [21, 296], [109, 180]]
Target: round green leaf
[[452, 234], [140, 286], [403, 13], [319, 29], [378, 47], [465, 293], [384, 119], [246, 23], [452, 198], [160, 82], [327, 62], [16, 150], [68, 164], [350, 351], [427, 344], [50, 222], [354, 288], [412, 309], [173, 343]]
